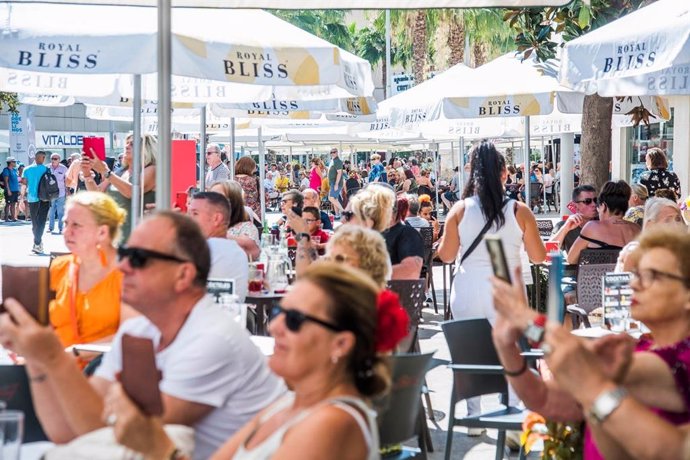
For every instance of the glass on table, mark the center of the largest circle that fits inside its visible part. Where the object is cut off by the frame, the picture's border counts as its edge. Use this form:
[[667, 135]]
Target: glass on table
[[256, 278], [11, 434]]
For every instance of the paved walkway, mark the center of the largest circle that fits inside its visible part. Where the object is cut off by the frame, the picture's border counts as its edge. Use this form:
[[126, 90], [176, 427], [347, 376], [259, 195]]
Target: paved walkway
[[15, 249]]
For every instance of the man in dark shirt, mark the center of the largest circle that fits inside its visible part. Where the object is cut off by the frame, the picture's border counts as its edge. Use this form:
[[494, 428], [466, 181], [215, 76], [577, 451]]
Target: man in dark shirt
[[585, 201], [335, 181], [405, 245]]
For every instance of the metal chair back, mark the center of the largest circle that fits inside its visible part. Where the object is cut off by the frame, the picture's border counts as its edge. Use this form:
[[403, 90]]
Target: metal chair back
[[411, 293]]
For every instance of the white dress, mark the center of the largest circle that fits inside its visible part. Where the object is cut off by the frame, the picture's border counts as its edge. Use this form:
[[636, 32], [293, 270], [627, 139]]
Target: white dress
[[353, 406], [470, 295]]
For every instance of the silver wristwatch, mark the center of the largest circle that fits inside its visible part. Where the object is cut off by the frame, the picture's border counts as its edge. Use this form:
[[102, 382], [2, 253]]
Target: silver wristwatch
[[607, 402]]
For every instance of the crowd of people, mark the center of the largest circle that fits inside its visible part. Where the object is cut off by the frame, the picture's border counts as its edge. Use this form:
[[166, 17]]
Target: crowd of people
[[313, 394]]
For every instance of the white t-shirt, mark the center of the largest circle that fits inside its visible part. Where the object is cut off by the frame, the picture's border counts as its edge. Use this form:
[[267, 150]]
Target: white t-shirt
[[229, 261], [212, 361]]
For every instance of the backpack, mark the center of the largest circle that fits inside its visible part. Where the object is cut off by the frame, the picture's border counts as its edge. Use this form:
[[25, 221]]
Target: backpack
[[48, 189]]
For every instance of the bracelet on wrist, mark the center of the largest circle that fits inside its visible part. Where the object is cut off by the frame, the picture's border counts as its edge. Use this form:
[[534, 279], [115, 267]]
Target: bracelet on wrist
[[518, 372]]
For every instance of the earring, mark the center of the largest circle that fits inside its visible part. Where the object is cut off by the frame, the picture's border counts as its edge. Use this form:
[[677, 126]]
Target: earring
[[102, 256], [334, 359]]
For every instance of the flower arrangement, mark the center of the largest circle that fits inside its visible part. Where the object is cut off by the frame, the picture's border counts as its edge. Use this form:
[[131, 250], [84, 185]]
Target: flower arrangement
[[562, 441]]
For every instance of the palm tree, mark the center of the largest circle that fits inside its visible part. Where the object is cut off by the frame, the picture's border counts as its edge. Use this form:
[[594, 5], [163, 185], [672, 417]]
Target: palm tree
[[10, 100], [326, 24]]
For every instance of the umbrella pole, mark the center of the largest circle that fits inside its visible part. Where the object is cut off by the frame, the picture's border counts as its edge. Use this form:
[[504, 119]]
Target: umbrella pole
[[436, 179], [202, 149], [567, 152], [135, 167], [543, 170], [461, 163], [262, 175], [525, 178], [163, 162], [232, 148]]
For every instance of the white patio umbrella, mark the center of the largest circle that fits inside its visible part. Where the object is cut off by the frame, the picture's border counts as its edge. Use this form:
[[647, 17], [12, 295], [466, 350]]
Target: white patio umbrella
[[646, 52], [319, 5]]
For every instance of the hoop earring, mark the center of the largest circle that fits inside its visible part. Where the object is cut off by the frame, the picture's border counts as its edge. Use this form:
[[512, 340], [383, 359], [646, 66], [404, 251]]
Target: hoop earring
[[102, 256]]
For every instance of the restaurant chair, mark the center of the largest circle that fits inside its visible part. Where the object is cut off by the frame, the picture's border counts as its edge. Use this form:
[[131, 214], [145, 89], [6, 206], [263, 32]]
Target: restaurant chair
[[545, 227], [427, 234], [16, 393], [589, 292], [536, 197], [598, 256], [477, 371], [399, 412]]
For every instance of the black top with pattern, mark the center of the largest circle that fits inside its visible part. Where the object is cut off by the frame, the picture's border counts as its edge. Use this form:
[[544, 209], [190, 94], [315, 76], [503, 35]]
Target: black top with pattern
[[659, 179]]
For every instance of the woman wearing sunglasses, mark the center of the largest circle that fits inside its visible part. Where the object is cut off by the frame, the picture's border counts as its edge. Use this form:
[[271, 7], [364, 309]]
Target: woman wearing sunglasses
[[604, 382], [326, 344], [87, 306], [611, 231]]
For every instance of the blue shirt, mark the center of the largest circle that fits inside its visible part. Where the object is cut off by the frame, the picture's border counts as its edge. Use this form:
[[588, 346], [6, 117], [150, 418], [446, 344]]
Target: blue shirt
[[33, 175], [13, 179], [376, 172]]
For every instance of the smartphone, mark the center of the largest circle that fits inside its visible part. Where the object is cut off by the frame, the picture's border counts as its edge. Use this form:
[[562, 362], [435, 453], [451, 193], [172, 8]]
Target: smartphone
[[95, 143], [498, 257], [181, 201], [140, 377], [551, 247], [30, 286], [555, 310]]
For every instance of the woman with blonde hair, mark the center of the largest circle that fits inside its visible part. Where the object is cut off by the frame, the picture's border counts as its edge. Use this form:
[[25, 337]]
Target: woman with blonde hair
[[118, 185], [87, 307], [372, 207], [241, 229]]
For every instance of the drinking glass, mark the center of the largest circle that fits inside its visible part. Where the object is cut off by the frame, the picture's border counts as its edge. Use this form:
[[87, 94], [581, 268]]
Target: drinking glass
[[256, 279], [11, 434]]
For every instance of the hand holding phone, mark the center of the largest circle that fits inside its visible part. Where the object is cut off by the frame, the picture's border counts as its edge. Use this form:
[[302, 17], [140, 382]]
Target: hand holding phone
[[181, 201], [30, 286], [498, 258], [140, 377], [94, 146]]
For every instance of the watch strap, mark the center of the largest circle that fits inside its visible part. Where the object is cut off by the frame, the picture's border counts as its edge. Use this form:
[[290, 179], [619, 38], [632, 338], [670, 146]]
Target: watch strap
[[607, 402]]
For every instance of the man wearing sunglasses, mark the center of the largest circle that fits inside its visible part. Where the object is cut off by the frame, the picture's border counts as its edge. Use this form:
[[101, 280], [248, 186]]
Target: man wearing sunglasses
[[213, 378], [584, 209], [217, 171], [211, 211]]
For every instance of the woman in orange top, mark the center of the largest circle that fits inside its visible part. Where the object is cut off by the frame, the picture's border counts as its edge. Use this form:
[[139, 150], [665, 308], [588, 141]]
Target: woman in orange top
[[87, 307]]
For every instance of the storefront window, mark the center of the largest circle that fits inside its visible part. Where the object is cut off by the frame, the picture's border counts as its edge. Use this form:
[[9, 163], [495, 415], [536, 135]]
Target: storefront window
[[641, 138]]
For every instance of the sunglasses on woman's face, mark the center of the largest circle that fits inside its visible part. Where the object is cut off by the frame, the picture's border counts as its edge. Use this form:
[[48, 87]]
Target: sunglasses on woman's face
[[294, 319], [139, 258]]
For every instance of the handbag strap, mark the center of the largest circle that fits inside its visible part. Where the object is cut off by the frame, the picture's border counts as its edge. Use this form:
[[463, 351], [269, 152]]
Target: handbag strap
[[479, 237]]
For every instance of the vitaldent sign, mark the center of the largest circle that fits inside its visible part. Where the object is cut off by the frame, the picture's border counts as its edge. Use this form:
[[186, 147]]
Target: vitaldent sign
[[65, 140]]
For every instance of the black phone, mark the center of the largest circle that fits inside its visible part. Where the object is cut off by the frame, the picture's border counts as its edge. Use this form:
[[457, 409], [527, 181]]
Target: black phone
[[498, 257]]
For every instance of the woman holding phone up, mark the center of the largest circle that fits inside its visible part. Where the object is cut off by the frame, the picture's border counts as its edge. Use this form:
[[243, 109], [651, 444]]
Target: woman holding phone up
[[119, 186], [485, 210]]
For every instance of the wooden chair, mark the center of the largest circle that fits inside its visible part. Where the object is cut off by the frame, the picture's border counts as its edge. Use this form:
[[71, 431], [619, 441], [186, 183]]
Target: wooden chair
[[477, 371]]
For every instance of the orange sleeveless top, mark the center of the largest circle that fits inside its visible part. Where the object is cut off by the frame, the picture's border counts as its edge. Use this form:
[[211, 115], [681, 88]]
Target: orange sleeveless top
[[96, 312]]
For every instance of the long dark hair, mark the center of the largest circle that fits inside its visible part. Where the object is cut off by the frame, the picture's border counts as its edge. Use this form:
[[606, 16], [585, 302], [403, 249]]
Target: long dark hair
[[485, 181]]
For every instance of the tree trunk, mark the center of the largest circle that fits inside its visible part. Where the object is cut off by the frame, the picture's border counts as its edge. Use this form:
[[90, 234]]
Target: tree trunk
[[479, 54], [595, 144], [456, 42], [419, 46]]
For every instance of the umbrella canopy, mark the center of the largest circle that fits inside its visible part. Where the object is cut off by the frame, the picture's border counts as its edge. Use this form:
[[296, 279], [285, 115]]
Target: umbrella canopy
[[250, 47], [318, 4], [646, 52]]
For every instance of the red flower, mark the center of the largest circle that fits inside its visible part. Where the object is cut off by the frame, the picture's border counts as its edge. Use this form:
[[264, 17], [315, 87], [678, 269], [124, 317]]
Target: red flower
[[393, 321]]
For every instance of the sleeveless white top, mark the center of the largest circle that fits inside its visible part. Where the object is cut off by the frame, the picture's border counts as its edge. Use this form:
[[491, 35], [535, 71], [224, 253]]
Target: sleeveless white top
[[353, 406], [470, 295]]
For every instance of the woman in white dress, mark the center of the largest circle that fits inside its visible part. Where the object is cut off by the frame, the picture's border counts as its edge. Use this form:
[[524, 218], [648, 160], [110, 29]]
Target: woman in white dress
[[326, 335], [484, 200]]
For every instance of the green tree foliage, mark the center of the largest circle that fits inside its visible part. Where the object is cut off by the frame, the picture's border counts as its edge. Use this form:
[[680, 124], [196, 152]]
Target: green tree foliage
[[326, 24], [9, 101]]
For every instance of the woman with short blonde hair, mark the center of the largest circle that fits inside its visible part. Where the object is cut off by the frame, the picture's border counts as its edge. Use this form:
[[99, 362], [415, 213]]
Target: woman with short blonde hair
[[361, 248]]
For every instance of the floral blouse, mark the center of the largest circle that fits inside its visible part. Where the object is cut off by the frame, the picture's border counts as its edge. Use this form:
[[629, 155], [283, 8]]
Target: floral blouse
[[247, 229], [251, 192], [658, 179], [635, 214]]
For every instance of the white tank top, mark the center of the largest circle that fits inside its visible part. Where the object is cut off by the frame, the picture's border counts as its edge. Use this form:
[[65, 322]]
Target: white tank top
[[353, 406]]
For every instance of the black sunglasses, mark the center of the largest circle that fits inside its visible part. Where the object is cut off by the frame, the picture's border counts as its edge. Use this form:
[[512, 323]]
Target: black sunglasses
[[138, 257], [588, 201], [295, 318], [345, 216]]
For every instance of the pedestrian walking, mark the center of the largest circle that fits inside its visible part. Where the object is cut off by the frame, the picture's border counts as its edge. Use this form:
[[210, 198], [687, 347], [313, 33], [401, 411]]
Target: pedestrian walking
[[37, 209], [57, 206]]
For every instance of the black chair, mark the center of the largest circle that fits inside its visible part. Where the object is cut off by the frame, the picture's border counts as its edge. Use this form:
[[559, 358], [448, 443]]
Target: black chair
[[399, 411], [477, 371], [598, 256], [545, 227], [427, 234], [536, 197], [589, 292], [424, 190], [411, 293], [16, 393]]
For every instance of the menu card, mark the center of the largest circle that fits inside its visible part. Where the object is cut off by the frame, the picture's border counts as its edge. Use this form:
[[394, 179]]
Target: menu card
[[616, 299]]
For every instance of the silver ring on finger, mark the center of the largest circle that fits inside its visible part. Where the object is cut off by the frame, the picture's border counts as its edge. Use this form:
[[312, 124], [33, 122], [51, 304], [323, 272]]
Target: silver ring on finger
[[111, 420]]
